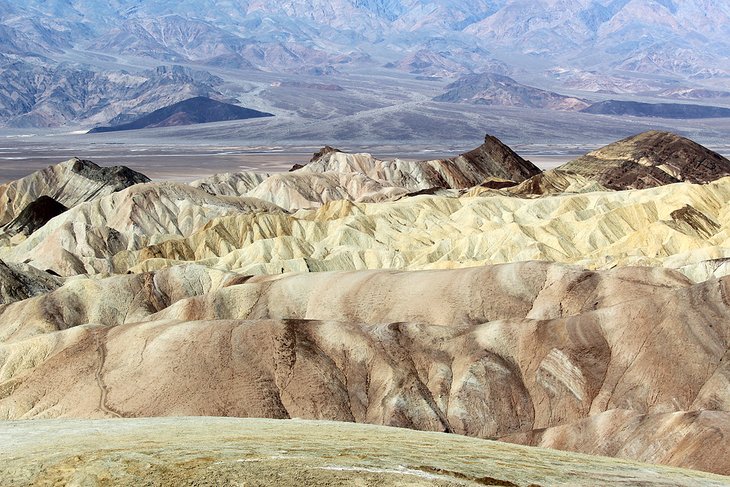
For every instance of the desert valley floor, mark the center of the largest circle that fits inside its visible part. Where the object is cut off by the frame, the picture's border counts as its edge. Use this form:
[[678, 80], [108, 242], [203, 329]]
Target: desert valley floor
[[520, 326]]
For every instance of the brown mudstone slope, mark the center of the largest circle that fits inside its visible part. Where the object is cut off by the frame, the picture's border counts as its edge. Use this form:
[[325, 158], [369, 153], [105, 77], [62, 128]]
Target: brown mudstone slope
[[492, 352], [647, 160]]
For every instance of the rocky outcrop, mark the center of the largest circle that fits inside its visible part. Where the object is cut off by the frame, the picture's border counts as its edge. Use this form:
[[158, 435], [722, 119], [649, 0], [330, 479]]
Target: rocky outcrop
[[328, 149], [69, 183], [650, 159], [34, 216], [500, 161], [21, 281]]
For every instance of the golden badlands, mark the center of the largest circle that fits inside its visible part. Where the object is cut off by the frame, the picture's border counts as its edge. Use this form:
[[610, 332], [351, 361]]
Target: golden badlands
[[583, 309]]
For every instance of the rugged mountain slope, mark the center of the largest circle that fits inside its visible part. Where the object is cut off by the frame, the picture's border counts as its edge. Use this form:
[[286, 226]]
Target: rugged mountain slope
[[86, 237], [496, 89], [174, 28], [230, 184], [62, 61], [486, 351], [647, 160], [679, 226], [21, 281], [234, 224], [187, 112], [289, 453], [491, 159], [426, 62], [611, 30], [36, 214], [69, 183], [305, 189], [48, 95], [332, 175]]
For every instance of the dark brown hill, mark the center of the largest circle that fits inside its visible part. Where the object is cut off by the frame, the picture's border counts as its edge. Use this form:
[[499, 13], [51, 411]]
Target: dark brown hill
[[650, 159], [645, 160], [188, 112]]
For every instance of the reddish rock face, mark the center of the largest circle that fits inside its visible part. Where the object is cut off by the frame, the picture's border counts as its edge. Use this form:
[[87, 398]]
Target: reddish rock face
[[504, 161]]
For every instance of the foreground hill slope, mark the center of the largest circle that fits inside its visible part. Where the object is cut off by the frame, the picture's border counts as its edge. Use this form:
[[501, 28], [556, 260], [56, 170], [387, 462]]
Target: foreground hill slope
[[211, 451], [497, 351], [622, 433]]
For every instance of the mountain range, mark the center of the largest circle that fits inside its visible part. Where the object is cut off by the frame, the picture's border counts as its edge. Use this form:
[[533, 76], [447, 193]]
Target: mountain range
[[64, 62]]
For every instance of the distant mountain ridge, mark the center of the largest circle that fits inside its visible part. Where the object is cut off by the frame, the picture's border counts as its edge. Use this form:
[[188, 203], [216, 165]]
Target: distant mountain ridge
[[187, 112], [34, 95], [661, 110], [678, 45], [496, 89], [170, 30]]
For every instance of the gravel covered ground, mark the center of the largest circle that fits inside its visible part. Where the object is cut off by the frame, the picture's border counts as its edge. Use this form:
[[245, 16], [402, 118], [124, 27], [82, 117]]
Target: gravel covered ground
[[221, 452]]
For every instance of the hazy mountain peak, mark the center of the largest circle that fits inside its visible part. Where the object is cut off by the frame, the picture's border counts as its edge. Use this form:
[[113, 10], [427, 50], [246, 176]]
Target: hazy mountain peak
[[658, 44]]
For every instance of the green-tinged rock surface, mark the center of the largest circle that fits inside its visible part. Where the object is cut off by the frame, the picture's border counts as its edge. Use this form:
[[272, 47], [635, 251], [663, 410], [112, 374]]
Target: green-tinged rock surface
[[254, 452]]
